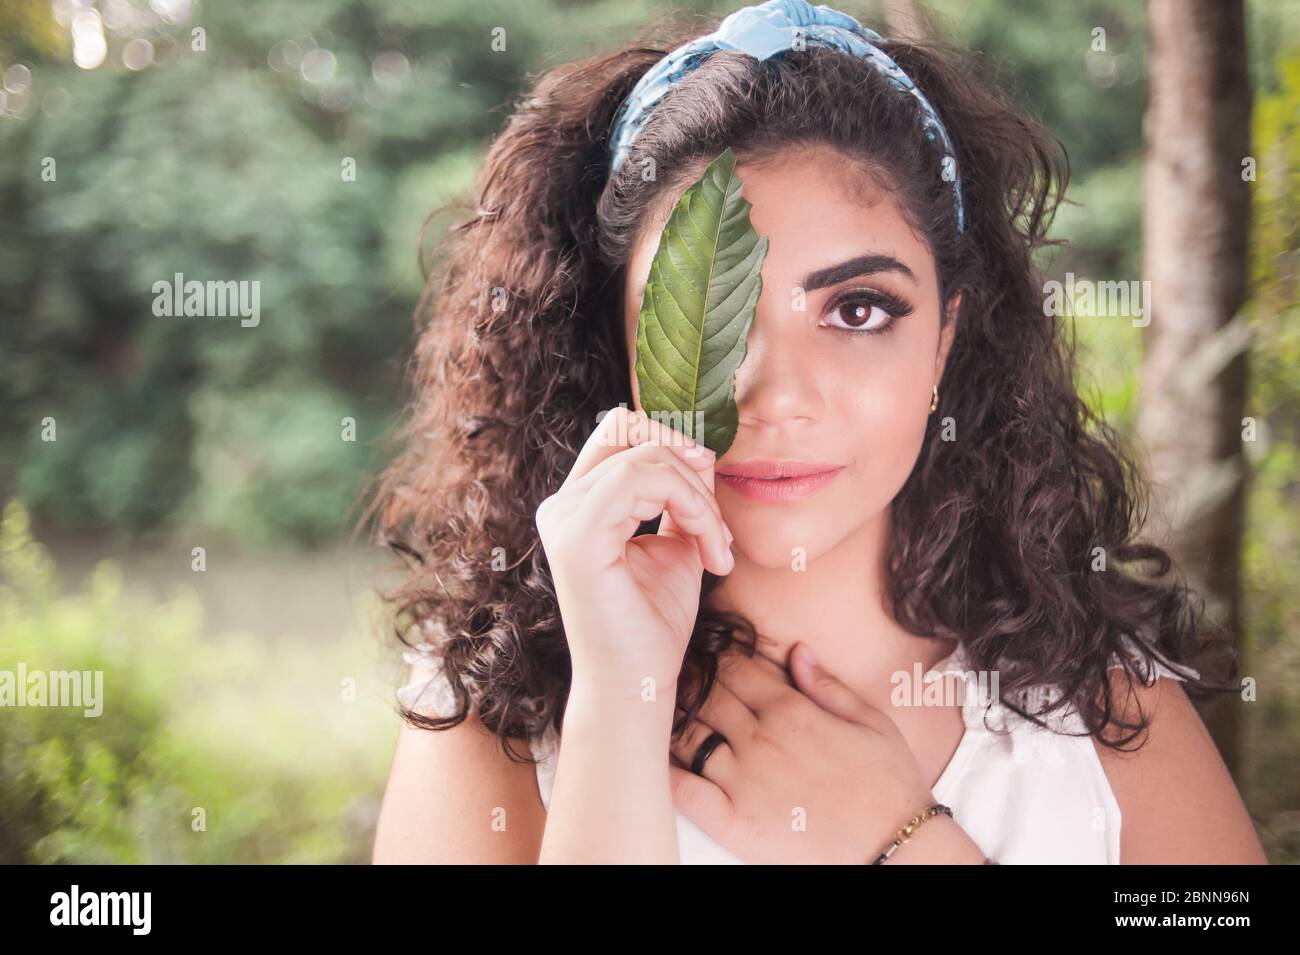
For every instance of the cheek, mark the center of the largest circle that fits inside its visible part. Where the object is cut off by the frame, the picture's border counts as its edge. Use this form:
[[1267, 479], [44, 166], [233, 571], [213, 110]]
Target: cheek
[[884, 411]]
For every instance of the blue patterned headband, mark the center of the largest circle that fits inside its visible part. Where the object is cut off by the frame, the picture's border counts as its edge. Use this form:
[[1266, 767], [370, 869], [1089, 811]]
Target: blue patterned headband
[[762, 31]]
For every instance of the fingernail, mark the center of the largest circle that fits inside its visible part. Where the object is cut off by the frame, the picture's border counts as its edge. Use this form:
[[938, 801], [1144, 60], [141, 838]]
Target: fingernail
[[808, 655]]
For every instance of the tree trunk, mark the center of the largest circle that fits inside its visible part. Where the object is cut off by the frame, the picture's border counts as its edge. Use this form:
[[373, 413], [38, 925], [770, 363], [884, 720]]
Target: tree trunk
[[1196, 217]]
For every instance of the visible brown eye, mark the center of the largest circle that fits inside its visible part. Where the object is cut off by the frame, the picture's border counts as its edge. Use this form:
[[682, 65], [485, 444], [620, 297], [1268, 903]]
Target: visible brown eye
[[862, 315], [866, 311]]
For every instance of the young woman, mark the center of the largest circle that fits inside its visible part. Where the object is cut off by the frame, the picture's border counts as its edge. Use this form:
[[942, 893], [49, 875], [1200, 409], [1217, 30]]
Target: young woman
[[713, 659]]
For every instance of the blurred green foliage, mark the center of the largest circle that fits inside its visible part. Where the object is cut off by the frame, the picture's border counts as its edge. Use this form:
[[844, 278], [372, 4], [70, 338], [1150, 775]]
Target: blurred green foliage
[[1271, 558], [229, 164], [217, 749]]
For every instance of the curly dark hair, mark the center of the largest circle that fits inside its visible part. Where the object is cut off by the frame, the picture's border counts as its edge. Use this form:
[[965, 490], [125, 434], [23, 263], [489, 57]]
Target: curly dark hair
[[993, 534]]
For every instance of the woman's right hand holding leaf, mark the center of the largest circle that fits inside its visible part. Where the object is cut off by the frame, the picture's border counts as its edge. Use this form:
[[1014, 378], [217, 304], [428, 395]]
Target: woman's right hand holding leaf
[[629, 604]]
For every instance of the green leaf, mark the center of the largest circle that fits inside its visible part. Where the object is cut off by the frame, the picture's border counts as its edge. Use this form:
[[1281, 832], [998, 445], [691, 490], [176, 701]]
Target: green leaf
[[699, 302]]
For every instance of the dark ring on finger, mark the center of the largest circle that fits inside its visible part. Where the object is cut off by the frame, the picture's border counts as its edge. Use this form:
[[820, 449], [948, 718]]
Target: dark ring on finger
[[706, 749]]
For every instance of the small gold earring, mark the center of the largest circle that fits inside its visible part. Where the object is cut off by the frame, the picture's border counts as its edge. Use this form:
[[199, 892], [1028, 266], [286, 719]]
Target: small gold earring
[[934, 402]]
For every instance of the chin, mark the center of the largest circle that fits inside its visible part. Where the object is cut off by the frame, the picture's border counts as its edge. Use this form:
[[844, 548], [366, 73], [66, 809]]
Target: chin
[[777, 547]]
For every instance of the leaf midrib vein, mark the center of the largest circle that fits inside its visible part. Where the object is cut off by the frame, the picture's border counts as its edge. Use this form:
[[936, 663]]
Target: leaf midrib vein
[[713, 261]]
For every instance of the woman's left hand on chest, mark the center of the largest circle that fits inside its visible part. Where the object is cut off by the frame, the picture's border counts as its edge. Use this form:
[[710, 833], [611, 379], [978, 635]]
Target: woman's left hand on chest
[[810, 773]]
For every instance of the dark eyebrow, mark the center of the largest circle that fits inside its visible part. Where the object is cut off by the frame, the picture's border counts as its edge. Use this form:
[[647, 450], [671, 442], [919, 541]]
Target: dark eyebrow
[[835, 274], [862, 265]]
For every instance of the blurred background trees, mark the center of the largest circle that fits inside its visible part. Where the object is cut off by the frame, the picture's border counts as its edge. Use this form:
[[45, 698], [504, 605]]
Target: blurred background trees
[[223, 154]]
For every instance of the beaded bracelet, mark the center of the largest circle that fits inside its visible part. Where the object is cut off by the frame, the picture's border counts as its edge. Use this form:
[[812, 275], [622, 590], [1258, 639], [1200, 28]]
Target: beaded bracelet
[[903, 834]]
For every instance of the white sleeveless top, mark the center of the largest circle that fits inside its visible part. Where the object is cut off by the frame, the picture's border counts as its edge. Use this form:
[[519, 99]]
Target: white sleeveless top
[[1031, 796]]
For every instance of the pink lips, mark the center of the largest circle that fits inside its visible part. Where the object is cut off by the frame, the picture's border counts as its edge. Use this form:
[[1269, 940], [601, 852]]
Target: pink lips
[[776, 482]]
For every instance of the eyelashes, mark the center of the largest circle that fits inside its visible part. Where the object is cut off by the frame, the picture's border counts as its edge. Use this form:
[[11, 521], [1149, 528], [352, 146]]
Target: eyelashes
[[855, 309]]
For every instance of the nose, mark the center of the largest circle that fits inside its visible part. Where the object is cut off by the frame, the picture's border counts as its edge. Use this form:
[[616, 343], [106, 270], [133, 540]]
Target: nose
[[777, 384]]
